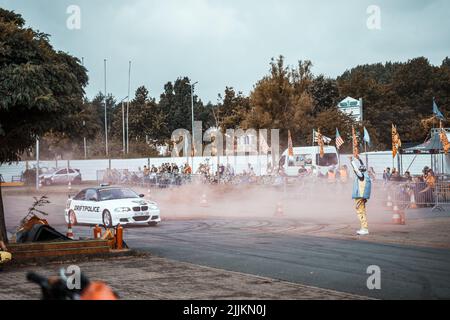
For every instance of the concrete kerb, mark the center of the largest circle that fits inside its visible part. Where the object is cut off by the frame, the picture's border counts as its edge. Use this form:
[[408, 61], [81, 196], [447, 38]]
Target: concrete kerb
[[44, 261]]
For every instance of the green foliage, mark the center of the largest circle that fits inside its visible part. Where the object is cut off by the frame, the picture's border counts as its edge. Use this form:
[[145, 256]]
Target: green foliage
[[231, 110], [146, 120], [292, 98], [324, 92], [399, 93], [41, 90], [175, 103], [41, 95]]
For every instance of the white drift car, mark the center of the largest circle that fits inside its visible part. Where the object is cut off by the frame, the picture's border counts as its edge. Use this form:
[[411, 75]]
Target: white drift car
[[110, 206]]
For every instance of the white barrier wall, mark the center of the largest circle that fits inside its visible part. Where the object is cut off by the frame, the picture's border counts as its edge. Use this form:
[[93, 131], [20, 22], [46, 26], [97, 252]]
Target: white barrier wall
[[88, 168]]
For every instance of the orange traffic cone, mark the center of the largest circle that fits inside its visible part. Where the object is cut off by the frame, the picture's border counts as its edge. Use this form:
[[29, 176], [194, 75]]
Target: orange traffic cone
[[402, 217], [412, 202], [396, 217], [97, 232], [119, 237], [204, 201], [279, 212], [69, 231]]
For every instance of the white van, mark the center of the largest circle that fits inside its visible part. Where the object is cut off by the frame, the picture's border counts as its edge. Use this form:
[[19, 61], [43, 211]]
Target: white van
[[309, 157]]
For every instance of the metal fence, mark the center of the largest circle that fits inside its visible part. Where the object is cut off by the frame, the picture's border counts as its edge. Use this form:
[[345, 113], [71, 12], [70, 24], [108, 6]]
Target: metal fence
[[165, 180], [418, 194], [404, 195]]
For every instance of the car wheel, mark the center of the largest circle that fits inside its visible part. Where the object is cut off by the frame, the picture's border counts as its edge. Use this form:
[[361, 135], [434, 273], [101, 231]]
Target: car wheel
[[153, 223], [107, 220], [72, 218]]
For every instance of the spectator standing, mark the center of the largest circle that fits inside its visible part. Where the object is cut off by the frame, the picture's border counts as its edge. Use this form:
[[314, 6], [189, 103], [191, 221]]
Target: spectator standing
[[343, 174], [387, 175], [407, 176]]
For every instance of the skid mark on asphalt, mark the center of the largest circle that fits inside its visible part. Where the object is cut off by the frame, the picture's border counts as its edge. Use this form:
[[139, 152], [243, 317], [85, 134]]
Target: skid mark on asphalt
[[239, 243]]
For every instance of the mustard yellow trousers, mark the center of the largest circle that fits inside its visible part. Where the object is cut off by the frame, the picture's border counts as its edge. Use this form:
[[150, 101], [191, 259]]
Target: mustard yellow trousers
[[361, 212]]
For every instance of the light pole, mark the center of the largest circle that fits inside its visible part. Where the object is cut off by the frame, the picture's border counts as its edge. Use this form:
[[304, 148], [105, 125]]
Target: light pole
[[123, 124], [192, 118], [37, 163], [128, 101], [84, 140], [106, 117], [84, 122]]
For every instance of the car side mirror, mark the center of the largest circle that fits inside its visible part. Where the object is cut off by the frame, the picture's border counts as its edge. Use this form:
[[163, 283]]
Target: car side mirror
[[141, 195], [92, 199]]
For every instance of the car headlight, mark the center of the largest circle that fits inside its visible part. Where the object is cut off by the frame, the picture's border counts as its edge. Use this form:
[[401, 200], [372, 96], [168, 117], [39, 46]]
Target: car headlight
[[122, 209], [153, 207]]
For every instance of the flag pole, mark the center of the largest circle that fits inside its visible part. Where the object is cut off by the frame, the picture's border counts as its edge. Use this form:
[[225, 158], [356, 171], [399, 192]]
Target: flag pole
[[367, 156], [318, 149], [339, 156]]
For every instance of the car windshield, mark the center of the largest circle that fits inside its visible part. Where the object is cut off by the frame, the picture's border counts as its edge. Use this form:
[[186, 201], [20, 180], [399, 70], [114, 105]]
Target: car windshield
[[47, 170], [299, 160], [116, 193], [329, 159]]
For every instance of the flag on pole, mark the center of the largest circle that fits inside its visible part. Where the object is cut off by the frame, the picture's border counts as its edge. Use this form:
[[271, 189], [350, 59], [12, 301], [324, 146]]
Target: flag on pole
[[396, 142], [366, 136], [437, 113], [320, 142], [324, 138], [355, 143], [339, 140], [290, 148], [444, 139]]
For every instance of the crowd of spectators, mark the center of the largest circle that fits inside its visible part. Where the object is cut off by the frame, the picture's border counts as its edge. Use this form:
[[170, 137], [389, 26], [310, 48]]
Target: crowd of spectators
[[421, 186]]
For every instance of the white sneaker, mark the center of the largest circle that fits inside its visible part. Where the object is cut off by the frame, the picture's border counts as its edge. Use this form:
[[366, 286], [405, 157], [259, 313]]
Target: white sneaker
[[362, 232]]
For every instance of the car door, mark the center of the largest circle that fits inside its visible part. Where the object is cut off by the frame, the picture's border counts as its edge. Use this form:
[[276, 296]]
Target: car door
[[60, 176], [71, 174], [91, 208], [77, 206]]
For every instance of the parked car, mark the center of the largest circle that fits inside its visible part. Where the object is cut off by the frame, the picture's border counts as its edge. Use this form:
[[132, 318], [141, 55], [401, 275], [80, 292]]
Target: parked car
[[60, 176]]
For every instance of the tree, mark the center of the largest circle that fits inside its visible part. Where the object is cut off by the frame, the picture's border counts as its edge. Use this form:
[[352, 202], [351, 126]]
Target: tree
[[400, 93], [272, 98], [146, 121], [41, 90], [175, 103], [231, 109], [324, 92]]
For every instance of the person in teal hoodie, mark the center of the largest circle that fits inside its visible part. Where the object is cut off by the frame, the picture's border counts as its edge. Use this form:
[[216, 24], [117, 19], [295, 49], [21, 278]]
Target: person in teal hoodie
[[362, 186]]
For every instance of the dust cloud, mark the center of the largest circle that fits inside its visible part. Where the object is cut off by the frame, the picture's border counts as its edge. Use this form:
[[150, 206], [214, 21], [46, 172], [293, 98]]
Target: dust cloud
[[313, 202]]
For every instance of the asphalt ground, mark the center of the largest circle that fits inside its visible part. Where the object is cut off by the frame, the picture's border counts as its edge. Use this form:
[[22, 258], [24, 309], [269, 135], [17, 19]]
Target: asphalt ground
[[301, 248]]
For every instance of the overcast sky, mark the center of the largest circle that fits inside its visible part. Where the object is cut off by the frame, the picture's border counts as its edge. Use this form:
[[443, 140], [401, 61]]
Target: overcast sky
[[230, 42]]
